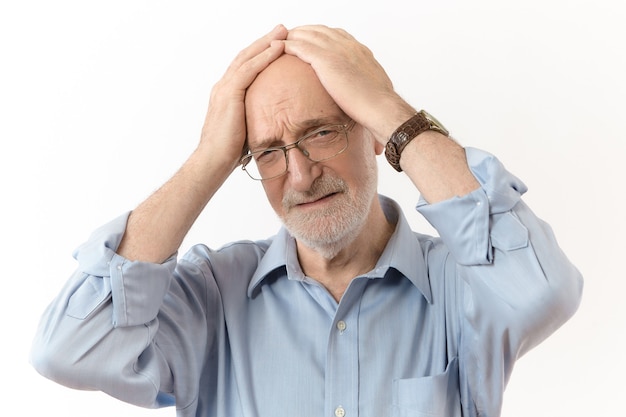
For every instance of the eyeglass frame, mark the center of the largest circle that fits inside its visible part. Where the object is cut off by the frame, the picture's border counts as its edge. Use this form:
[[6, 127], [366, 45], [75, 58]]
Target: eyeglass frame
[[344, 129]]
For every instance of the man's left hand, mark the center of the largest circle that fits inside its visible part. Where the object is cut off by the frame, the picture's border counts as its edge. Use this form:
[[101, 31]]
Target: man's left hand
[[352, 76]]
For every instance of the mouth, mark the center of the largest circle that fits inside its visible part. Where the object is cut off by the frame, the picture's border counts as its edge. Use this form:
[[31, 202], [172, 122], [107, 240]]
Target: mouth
[[322, 192], [318, 200]]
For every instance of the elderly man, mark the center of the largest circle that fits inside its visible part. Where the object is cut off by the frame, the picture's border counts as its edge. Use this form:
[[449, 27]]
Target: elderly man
[[346, 311]]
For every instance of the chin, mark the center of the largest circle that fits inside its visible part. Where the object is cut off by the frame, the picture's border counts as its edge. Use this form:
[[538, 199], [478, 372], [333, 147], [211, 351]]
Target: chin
[[326, 245], [328, 231], [336, 224]]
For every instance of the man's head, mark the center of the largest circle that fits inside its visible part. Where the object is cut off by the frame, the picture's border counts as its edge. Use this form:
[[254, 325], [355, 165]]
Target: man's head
[[323, 204]]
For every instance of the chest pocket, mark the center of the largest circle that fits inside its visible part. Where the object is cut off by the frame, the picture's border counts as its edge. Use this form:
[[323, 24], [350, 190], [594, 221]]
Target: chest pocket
[[431, 396]]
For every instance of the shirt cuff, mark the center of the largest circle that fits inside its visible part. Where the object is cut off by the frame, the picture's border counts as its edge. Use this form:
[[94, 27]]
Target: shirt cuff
[[137, 288], [464, 223]]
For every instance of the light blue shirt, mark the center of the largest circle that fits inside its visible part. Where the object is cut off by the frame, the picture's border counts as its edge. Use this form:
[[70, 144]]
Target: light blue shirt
[[433, 330]]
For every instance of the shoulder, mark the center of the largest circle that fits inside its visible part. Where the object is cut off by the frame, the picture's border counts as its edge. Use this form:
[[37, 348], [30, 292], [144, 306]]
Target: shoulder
[[433, 248], [227, 269], [238, 255]]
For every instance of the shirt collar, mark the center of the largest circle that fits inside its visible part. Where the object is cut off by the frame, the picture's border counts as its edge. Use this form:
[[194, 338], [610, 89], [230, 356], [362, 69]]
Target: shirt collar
[[403, 254]]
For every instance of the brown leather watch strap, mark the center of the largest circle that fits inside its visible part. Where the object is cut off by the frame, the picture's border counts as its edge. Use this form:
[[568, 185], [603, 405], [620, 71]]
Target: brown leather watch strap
[[402, 136]]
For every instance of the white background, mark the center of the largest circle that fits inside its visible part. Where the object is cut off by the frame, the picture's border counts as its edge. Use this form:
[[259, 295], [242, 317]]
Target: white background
[[100, 102]]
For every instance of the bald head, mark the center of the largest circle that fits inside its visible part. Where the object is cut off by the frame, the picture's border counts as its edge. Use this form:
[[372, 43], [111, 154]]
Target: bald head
[[283, 97], [285, 66], [287, 72]]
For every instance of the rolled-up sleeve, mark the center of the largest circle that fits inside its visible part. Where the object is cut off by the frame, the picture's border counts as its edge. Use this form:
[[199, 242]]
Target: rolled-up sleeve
[[98, 332], [516, 284], [134, 301], [465, 223]]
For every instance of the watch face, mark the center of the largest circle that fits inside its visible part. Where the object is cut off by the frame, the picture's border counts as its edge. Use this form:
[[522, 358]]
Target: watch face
[[435, 123]]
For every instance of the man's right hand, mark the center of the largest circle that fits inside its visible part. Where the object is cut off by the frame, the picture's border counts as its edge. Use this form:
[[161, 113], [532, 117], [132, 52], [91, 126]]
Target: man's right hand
[[157, 227], [224, 130]]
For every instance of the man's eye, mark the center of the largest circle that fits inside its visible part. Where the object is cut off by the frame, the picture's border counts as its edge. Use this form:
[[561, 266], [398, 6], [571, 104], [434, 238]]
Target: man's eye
[[323, 136], [267, 156], [322, 133]]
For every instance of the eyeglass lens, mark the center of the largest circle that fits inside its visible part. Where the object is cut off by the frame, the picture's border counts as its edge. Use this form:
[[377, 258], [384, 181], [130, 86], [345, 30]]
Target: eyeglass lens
[[320, 145]]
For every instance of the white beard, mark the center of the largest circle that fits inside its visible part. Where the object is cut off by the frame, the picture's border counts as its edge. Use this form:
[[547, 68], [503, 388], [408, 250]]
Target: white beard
[[330, 229]]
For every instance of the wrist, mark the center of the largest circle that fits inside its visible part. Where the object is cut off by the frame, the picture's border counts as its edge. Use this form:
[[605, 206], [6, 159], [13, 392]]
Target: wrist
[[387, 117], [411, 128]]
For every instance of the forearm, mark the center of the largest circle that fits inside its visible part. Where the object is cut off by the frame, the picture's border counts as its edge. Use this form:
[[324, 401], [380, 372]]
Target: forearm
[[435, 163], [157, 227], [437, 166]]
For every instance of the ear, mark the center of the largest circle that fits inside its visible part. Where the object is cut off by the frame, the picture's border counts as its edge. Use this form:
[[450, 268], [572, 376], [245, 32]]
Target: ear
[[378, 147]]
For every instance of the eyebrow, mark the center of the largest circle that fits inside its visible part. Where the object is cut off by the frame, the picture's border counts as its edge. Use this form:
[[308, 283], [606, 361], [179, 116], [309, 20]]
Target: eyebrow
[[302, 128]]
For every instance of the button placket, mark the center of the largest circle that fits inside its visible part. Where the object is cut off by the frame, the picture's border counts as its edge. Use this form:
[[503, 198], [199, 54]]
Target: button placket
[[342, 359]]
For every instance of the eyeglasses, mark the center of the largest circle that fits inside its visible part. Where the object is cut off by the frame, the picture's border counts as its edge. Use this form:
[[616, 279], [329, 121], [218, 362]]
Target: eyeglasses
[[319, 145]]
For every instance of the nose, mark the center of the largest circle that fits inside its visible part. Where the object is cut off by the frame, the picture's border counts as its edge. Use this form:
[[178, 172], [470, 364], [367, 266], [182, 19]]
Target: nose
[[302, 172]]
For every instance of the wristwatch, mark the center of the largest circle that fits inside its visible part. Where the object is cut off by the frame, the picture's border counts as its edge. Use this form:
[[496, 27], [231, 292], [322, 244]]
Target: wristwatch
[[420, 122]]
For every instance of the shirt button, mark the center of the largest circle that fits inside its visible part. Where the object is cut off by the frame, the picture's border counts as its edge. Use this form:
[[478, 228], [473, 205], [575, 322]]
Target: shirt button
[[340, 412], [341, 325]]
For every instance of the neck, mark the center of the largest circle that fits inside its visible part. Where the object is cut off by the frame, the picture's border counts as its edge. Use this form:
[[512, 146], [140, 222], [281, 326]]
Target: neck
[[334, 266]]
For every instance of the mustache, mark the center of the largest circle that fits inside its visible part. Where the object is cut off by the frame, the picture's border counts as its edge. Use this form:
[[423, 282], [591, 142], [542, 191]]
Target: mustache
[[321, 187]]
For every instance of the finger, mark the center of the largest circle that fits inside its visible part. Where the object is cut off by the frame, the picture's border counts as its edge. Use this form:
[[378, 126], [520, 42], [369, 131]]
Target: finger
[[319, 30], [313, 35], [247, 71], [312, 42], [258, 46]]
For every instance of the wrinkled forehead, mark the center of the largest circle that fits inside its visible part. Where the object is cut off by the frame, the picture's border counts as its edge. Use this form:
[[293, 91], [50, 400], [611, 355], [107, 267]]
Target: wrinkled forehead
[[285, 100], [284, 135]]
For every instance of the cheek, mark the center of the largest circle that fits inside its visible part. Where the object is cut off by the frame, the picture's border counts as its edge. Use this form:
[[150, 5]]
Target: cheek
[[367, 163]]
